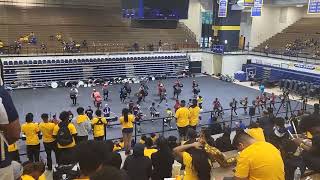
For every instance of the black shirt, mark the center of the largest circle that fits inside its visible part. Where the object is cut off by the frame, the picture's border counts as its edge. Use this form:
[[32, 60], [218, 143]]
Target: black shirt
[[8, 114], [162, 166], [138, 168]]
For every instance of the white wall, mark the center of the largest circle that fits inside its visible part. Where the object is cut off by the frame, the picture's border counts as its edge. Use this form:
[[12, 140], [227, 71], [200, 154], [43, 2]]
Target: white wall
[[207, 59], [194, 18], [273, 21], [245, 26], [232, 64]]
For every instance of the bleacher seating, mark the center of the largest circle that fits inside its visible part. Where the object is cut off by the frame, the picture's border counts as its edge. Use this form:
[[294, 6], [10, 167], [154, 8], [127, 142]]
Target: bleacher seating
[[42, 70], [303, 29], [103, 29]]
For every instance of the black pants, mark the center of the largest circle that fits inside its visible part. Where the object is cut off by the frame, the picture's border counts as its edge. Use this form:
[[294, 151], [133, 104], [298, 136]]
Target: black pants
[[74, 99], [80, 139], [65, 155], [14, 155], [100, 138], [33, 152], [105, 95], [49, 147]]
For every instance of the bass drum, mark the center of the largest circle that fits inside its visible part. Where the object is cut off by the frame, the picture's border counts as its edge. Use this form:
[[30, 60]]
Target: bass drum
[[54, 85]]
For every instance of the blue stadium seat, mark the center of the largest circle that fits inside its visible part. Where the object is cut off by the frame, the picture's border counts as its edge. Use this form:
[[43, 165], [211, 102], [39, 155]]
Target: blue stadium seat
[[5, 62], [39, 61], [10, 63], [58, 61], [15, 62], [20, 62]]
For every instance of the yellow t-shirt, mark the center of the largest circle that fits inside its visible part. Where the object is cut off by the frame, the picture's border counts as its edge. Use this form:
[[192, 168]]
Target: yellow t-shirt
[[98, 127], [128, 124], [260, 161], [257, 134], [31, 131], [27, 177], [12, 147], [194, 116], [149, 152], [47, 131], [42, 177], [72, 130], [183, 115], [309, 135], [190, 173]]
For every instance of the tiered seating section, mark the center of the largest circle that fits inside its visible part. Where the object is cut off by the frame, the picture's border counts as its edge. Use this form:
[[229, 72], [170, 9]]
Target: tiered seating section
[[39, 71], [103, 29], [303, 31]]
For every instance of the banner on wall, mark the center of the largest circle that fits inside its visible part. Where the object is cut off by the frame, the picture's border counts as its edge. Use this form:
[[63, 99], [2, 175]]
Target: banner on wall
[[248, 3], [256, 10], [223, 8], [314, 7]]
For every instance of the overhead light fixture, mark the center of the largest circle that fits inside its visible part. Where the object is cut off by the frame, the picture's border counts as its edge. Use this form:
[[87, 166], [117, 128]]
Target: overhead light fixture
[[299, 5]]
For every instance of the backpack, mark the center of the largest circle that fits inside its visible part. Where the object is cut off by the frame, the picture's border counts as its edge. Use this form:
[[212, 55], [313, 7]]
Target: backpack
[[64, 136], [66, 172]]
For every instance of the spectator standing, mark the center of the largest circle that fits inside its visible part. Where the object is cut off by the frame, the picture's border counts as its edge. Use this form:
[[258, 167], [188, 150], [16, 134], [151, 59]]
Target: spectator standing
[[82, 125], [99, 125], [9, 131], [256, 132], [138, 166], [160, 45], [182, 120], [162, 160], [89, 112], [194, 114], [65, 134], [31, 131], [126, 121], [257, 159], [49, 142]]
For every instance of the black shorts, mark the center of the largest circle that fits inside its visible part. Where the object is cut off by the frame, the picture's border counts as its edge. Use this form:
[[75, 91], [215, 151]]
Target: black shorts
[[73, 96], [127, 130], [183, 131]]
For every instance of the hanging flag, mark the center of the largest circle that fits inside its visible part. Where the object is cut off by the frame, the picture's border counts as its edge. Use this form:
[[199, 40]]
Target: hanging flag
[[314, 7], [248, 3], [256, 10], [223, 8]]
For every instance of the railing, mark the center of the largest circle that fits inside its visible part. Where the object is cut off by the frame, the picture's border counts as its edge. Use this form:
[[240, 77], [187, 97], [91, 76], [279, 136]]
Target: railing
[[228, 119]]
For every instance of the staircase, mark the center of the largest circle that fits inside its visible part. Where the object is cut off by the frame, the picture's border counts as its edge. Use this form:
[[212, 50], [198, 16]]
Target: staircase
[[266, 73]]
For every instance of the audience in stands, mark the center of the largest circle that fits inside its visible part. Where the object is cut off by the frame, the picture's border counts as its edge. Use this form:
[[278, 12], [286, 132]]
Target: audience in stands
[[65, 134], [257, 159], [126, 121], [31, 131], [82, 125], [138, 166], [46, 127], [196, 161]]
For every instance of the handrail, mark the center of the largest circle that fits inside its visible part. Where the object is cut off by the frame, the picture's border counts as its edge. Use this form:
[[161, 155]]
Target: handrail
[[231, 120]]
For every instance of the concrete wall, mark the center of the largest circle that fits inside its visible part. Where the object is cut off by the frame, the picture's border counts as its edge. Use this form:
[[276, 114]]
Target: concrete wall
[[245, 26], [232, 64], [194, 18], [273, 21]]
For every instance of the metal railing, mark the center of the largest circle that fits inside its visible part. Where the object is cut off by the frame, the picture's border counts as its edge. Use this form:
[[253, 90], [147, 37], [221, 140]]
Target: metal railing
[[230, 120]]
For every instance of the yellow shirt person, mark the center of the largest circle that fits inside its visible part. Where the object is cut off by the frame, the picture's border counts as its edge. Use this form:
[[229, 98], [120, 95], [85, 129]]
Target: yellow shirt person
[[190, 173], [257, 134], [73, 132], [31, 131], [148, 152], [194, 115], [128, 124], [98, 124], [260, 161], [46, 129], [182, 116]]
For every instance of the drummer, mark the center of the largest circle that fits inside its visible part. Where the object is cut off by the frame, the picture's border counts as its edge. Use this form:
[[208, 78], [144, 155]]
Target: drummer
[[74, 95]]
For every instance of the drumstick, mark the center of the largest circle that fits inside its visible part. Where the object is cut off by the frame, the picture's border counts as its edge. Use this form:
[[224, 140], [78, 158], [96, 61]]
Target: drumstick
[[295, 130], [290, 134]]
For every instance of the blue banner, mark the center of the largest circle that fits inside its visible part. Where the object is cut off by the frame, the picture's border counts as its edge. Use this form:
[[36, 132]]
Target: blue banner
[[223, 8], [248, 3], [256, 11], [314, 7]]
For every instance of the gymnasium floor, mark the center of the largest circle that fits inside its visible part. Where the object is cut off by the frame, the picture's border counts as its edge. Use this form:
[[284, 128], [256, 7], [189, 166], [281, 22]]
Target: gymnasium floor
[[53, 101]]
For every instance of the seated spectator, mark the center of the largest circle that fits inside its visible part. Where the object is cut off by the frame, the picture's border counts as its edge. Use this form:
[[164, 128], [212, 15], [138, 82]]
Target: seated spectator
[[108, 173], [223, 143], [143, 139], [257, 159], [215, 154], [149, 150], [59, 37], [196, 161], [215, 126], [191, 136], [256, 132], [162, 160], [138, 166], [32, 170], [90, 155], [154, 137], [1, 47], [172, 142], [67, 168]]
